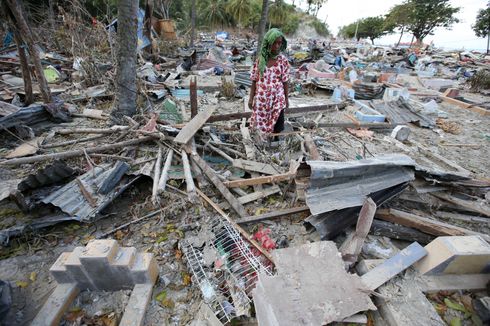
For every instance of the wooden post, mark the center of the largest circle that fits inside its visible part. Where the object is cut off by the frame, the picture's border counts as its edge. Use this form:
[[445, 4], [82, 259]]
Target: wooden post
[[156, 176], [26, 74], [24, 30], [191, 188], [193, 95], [163, 179]]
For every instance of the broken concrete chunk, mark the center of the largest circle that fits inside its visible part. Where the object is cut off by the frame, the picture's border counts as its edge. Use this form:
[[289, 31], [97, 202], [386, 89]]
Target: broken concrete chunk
[[401, 133]]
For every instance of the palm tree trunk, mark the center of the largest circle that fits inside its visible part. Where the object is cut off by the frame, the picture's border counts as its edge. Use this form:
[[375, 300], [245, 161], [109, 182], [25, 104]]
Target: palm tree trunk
[[126, 64], [262, 23], [401, 35], [488, 42], [193, 22]]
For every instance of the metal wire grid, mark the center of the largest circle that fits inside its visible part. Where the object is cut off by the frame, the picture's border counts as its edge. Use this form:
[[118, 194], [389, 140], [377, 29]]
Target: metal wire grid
[[226, 288]]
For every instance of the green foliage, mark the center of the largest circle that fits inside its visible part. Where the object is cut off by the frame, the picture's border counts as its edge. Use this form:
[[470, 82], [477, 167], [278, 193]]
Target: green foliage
[[372, 28], [348, 31], [213, 13], [398, 16], [426, 15], [320, 27], [482, 24], [291, 24], [240, 10]]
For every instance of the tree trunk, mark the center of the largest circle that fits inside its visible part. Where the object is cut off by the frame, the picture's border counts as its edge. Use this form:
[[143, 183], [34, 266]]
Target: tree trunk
[[26, 74], [193, 22], [411, 42], [372, 40], [24, 30], [262, 23], [147, 24], [488, 42], [127, 40], [401, 35]]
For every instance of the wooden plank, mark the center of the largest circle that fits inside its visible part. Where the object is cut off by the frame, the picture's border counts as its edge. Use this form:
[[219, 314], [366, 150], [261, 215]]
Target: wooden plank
[[272, 215], [351, 247], [244, 233], [191, 188], [56, 305], [311, 148], [193, 126], [393, 266], [218, 184], [259, 180], [477, 207], [27, 148], [134, 314], [164, 175], [400, 232], [255, 166], [290, 111], [466, 106], [259, 194], [424, 224], [249, 146]]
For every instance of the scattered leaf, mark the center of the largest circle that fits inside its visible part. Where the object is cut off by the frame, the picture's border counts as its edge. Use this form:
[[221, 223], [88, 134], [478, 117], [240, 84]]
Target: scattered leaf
[[168, 303], [454, 305], [119, 235], [109, 320], [178, 254], [455, 322], [186, 279], [21, 284], [161, 296], [440, 308], [33, 276], [260, 211]]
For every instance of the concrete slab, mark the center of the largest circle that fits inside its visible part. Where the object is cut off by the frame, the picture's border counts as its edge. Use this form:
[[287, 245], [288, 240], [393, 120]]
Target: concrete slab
[[58, 269], [456, 255], [76, 270], [145, 269], [96, 259], [121, 267]]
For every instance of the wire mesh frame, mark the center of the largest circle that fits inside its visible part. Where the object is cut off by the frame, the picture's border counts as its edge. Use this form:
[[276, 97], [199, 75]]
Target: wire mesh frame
[[234, 279]]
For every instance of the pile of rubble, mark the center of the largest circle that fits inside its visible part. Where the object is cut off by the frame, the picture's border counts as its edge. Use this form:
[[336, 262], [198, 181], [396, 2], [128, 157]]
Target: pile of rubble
[[383, 152]]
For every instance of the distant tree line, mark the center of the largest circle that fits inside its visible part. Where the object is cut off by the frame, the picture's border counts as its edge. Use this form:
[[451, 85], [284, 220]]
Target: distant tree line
[[418, 17]]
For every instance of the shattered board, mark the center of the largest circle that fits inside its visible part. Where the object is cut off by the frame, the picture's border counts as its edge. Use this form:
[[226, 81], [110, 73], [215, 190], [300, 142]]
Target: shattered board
[[310, 288]]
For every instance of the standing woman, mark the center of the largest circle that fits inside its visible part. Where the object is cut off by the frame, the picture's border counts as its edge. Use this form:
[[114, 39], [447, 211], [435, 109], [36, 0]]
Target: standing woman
[[269, 92]]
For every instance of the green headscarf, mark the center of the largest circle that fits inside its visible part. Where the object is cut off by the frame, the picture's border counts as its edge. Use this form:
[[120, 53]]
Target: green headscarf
[[265, 51]]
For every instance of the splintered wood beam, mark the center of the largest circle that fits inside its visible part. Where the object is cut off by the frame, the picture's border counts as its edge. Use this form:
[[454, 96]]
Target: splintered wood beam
[[259, 180], [206, 169], [254, 166], [193, 126], [272, 215]]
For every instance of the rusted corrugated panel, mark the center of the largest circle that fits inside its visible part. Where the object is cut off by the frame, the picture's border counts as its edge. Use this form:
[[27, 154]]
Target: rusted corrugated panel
[[339, 185], [49, 175], [71, 200]]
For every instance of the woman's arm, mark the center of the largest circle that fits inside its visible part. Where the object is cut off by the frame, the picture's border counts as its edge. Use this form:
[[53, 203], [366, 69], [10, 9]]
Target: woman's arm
[[252, 95]]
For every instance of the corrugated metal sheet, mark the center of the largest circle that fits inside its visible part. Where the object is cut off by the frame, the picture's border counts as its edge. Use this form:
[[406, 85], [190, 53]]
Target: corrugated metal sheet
[[25, 116], [401, 112], [243, 78], [330, 224], [49, 175], [339, 185], [71, 200]]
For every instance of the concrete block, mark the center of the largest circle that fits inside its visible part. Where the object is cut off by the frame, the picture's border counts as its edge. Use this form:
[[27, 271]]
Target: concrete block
[[76, 270], [58, 269], [145, 269], [56, 305], [121, 267], [134, 314], [96, 259], [456, 255]]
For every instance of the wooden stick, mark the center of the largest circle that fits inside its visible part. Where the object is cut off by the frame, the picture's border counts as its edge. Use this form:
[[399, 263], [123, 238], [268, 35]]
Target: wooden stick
[[191, 188], [244, 233], [156, 176], [91, 201], [91, 130], [163, 178], [272, 215], [74, 153], [218, 184], [193, 126], [71, 142], [259, 180]]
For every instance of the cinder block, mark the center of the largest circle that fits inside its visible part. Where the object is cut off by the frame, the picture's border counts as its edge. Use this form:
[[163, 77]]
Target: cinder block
[[456, 255], [145, 269], [96, 259], [76, 271], [134, 314], [58, 269], [56, 305], [121, 267]]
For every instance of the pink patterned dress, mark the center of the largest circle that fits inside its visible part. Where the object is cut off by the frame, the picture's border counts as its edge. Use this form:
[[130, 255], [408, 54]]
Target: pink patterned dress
[[269, 94]]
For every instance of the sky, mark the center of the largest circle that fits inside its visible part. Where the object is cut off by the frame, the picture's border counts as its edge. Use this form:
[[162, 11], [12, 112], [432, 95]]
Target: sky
[[342, 12]]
